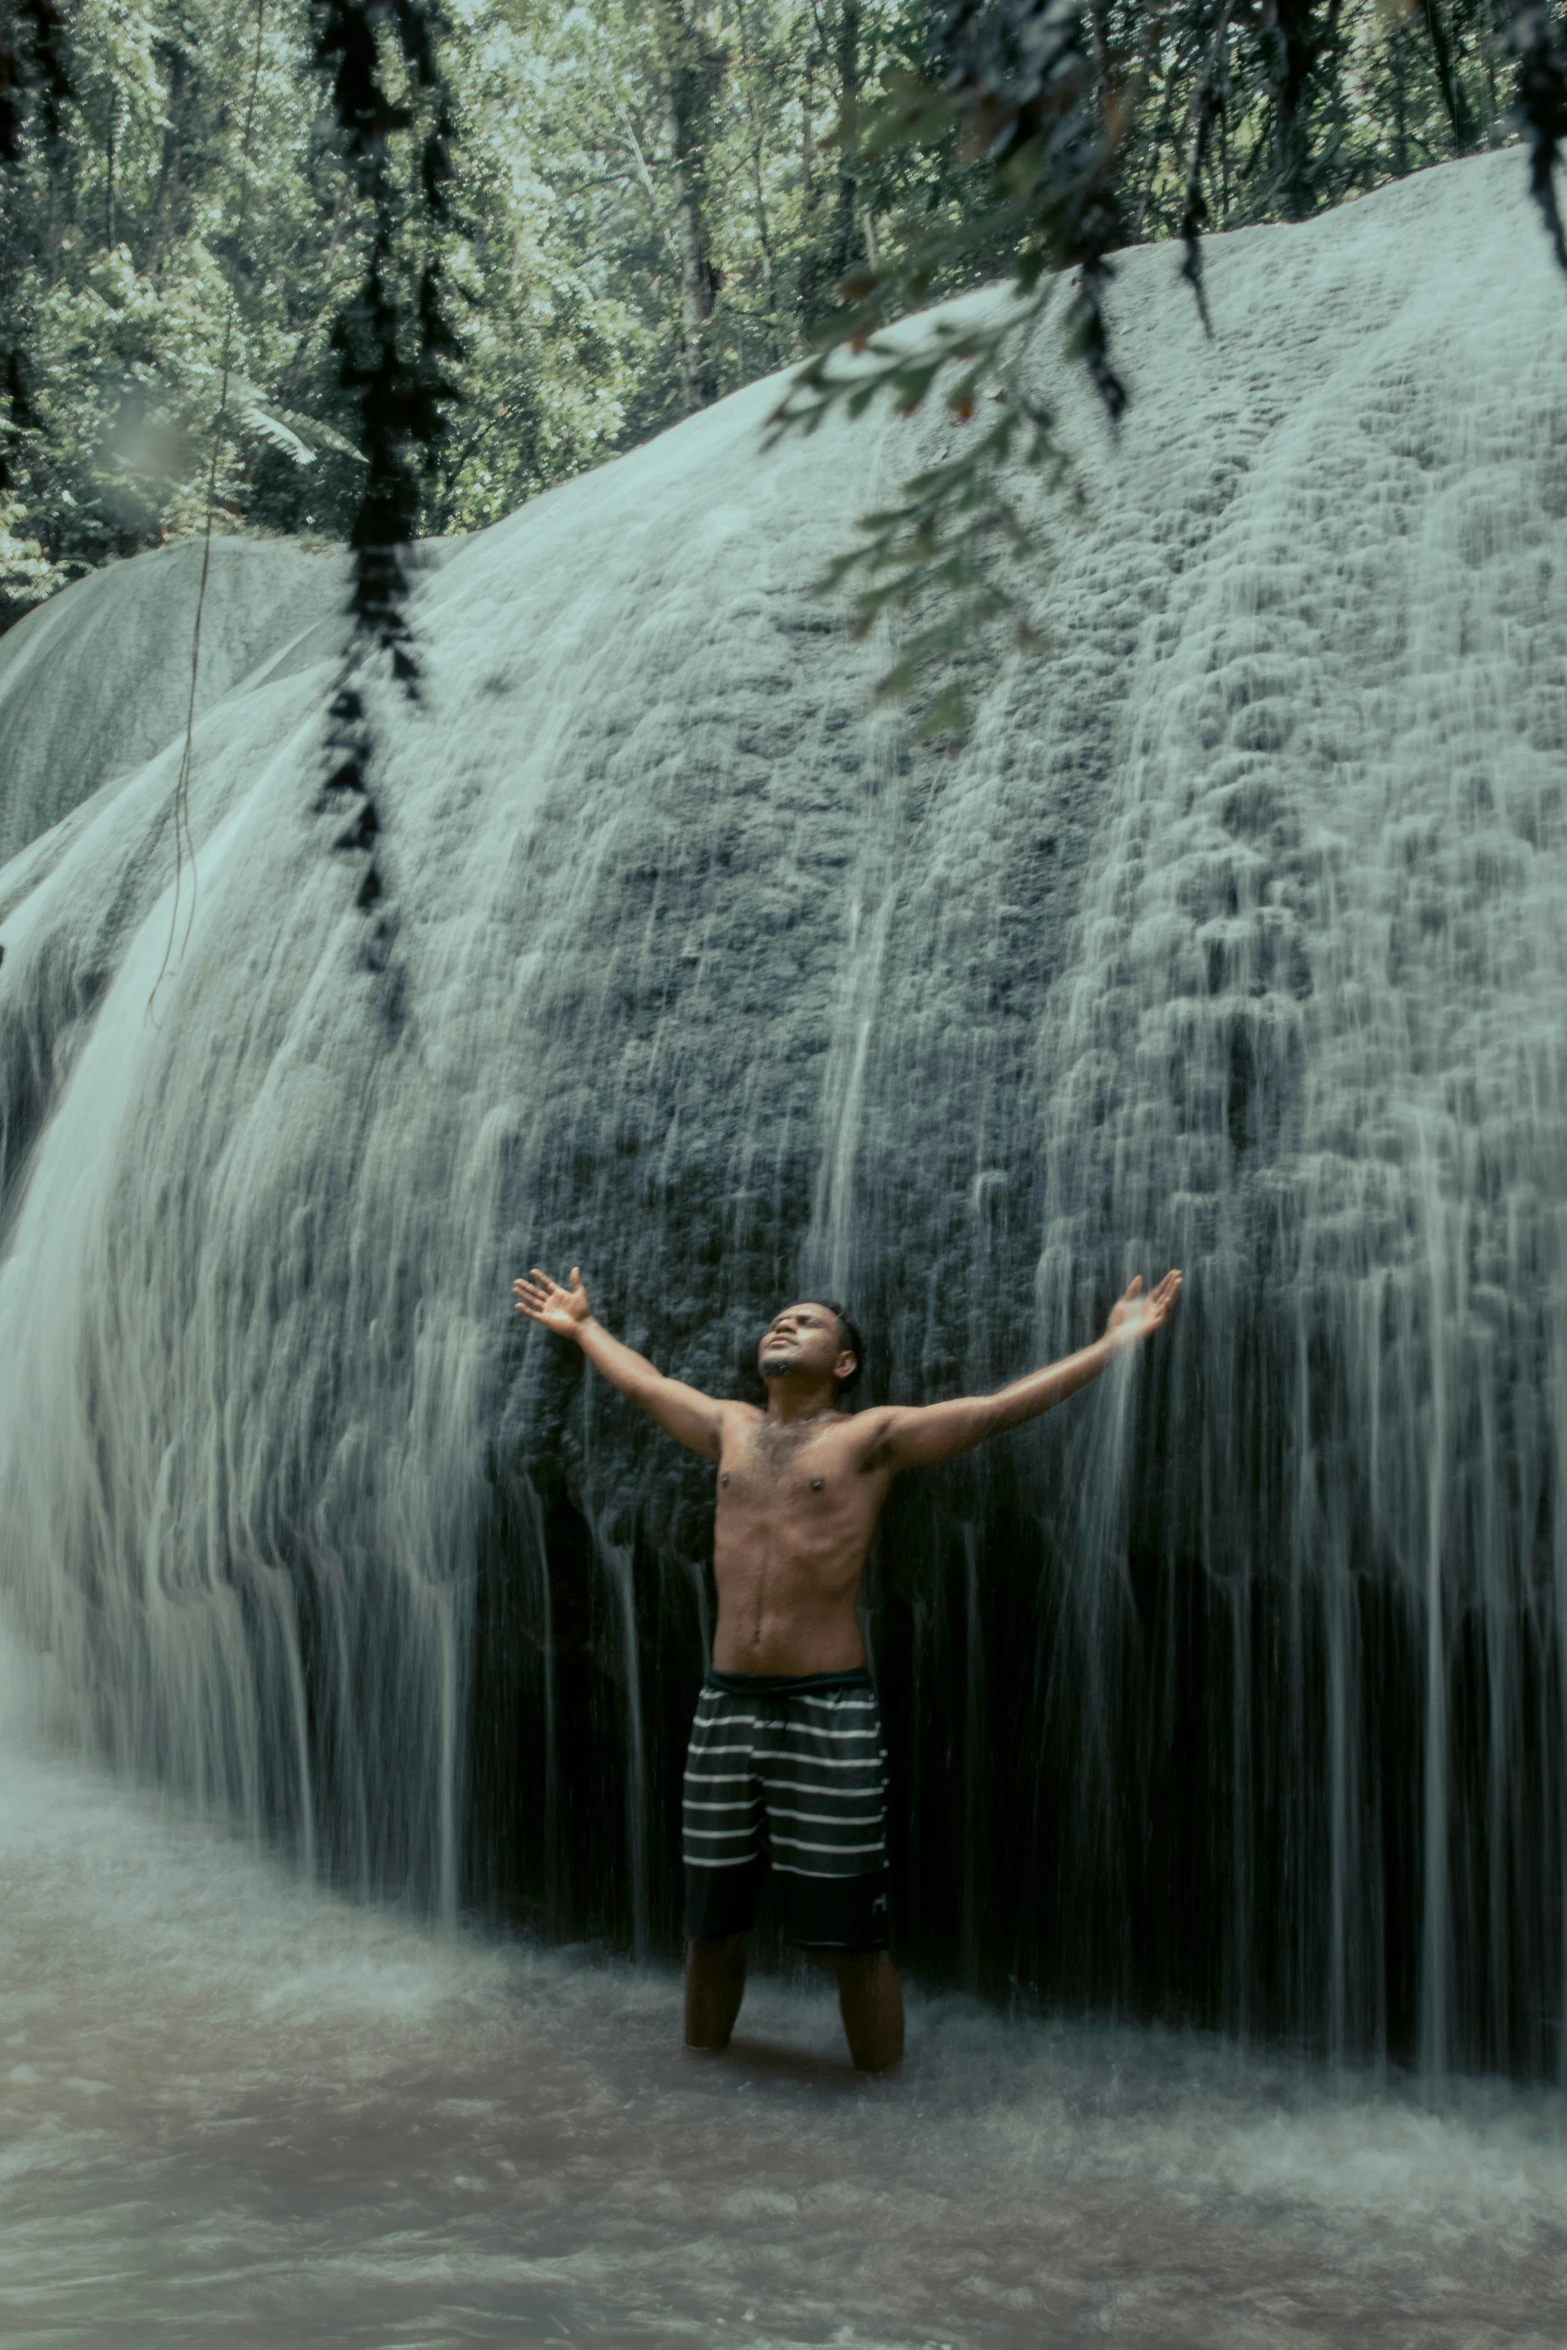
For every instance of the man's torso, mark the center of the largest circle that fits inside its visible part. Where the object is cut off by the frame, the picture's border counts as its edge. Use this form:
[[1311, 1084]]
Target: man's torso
[[797, 1507]]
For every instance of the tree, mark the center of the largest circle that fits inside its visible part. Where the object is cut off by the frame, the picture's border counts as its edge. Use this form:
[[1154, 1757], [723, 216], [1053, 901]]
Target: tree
[[689, 69], [651, 202]]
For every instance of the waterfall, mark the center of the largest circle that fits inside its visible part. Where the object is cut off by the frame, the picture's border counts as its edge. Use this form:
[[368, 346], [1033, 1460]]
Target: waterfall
[[97, 680], [1234, 937]]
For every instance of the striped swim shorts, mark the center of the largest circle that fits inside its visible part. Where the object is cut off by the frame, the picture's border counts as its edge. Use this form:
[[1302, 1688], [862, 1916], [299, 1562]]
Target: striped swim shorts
[[787, 1770]]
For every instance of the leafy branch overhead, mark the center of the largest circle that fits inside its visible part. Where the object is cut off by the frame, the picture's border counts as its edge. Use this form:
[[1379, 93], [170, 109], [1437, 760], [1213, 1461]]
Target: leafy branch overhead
[[953, 555], [301, 439], [1018, 102], [1042, 110]]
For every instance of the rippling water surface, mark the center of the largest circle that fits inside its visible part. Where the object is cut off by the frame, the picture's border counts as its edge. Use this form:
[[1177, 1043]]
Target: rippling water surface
[[235, 2110]]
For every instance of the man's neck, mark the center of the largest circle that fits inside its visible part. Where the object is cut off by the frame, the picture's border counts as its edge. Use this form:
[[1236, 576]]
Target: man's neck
[[790, 1401]]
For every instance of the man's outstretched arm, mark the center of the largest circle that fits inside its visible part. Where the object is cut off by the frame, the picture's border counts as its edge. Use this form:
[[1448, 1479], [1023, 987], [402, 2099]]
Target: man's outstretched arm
[[915, 1436], [688, 1415]]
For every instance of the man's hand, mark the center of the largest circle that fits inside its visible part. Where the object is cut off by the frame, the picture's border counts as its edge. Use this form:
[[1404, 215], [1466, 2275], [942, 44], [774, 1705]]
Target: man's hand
[[1137, 1317], [689, 1416], [562, 1310]]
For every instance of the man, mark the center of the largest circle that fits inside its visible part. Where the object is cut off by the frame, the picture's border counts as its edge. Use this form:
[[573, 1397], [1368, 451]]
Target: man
[[786, 1761]]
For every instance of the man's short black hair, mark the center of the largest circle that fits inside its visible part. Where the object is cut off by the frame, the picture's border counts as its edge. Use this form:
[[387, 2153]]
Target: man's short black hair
[[848, 1337]]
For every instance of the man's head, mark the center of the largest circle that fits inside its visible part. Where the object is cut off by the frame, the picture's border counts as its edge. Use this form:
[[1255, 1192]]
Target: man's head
[[816, 1338]]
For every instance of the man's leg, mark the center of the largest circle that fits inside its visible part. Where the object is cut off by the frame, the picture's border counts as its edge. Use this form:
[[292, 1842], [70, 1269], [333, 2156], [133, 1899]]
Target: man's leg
[[725, 1861], [715, 1986], [870, 1999]]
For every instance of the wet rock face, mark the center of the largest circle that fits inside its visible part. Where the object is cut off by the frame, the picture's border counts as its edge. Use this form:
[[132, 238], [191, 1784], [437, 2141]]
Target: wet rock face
[[97, 681], [1232, 938]]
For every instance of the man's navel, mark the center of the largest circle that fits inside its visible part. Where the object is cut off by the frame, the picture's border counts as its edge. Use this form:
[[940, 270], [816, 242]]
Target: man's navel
[[817, 1483]]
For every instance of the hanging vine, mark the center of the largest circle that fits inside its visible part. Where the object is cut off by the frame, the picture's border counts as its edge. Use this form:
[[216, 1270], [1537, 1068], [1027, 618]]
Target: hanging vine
[[184, 839], [1209, 100], [1542, 110], [395, 348]]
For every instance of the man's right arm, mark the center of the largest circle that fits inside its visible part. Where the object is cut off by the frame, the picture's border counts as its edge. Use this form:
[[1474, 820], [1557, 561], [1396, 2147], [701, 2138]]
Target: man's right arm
[[684, 1412], [915, 1436]]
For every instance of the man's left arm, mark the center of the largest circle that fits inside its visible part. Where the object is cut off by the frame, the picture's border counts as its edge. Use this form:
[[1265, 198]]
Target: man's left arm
[[916, 1436]]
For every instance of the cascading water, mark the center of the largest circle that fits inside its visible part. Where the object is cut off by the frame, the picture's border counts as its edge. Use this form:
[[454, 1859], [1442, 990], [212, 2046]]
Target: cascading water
[[97, 680], [1233, 938]]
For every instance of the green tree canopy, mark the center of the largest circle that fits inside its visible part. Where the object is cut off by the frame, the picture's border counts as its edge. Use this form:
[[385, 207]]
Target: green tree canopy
[[652, 202]]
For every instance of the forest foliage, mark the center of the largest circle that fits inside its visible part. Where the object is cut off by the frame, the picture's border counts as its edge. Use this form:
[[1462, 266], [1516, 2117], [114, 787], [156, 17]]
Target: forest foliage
[[644, 204]]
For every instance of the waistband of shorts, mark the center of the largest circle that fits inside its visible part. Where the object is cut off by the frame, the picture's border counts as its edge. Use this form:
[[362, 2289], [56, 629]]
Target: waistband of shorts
[[785, 1684]]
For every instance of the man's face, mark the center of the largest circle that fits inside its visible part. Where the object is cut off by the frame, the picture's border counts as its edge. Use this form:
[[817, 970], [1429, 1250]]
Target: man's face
[[801, 1338]]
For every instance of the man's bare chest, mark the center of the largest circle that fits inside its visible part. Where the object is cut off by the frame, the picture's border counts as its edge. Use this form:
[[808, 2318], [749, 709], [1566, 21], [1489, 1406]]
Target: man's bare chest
[[787, 1468]]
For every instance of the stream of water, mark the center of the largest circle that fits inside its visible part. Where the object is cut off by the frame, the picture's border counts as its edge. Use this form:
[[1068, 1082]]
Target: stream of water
[[237, 2110]]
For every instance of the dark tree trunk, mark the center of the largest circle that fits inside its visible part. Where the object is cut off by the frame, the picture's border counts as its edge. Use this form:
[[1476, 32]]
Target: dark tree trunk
[[691, 70], [698, 287], [764, 238], [1295, 37], [1460, 120], [838, 235], [167, 209], [846, 245], [808, 139]]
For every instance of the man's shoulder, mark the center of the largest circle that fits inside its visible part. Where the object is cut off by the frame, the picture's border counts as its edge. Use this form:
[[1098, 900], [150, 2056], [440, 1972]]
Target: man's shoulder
[[865, 1433]]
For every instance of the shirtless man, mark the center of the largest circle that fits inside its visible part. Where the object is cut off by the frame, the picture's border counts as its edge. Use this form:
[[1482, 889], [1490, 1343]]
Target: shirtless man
[[786, 1761]]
